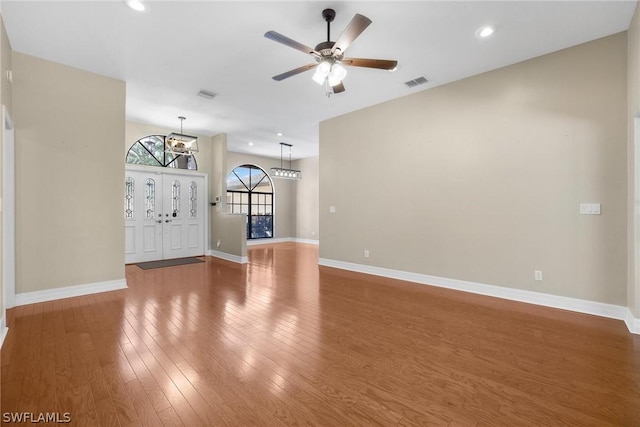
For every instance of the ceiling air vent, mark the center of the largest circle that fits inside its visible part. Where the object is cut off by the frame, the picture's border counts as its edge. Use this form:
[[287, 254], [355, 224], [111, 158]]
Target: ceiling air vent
[[206, 94], [416, 82]]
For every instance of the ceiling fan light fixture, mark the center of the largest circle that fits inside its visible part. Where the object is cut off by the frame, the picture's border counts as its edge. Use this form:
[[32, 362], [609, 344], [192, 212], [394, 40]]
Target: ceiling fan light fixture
[[322, 71], [338, 72]]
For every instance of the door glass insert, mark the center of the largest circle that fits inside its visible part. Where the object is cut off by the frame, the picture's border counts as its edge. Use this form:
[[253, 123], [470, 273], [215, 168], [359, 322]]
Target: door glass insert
[[193, 199], [149, 198], [175, 199], [129, 197]]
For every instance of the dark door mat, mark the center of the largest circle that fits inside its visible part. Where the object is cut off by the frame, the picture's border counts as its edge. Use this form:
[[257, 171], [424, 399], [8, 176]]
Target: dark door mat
[[168, 263]]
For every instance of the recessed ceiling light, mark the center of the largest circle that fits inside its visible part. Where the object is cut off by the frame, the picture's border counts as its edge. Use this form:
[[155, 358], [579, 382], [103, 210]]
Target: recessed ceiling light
[[279, 134], [250, 143], [485, 31], [137, 5]]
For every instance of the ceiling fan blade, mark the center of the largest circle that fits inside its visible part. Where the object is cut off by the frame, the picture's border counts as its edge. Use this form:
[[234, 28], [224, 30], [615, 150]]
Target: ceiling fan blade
[[290, 42], [383, 64], [357, 25], [338, 88], [293, 72]]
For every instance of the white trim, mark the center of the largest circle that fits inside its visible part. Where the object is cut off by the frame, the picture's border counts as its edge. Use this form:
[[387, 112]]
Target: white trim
[[3, 329], [538, 298], [228, 257], [7, 207], [254, 242], [307, 241], [69, 291], [633, 323]]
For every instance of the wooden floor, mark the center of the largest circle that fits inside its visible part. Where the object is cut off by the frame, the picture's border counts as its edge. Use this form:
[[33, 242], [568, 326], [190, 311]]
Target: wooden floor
[[281, 341]]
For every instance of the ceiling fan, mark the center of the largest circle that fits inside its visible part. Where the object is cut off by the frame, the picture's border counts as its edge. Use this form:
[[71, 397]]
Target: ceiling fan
[[329, 55]]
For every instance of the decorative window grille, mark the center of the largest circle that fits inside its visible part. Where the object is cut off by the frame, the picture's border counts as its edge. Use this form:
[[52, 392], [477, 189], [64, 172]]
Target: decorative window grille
[[193, 200], [250, 192], [129, 197], [149, 198], [150, 151]]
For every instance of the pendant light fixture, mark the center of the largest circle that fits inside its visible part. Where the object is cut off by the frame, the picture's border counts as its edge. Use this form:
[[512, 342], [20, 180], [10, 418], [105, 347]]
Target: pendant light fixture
[[283, 172], [181, 144]]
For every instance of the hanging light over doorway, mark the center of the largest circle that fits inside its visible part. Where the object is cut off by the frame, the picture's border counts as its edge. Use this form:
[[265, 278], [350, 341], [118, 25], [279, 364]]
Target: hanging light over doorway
[[283, 172], [181, 144]]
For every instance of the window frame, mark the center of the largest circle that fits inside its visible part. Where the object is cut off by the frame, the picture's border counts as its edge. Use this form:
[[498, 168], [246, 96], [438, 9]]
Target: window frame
[[249, 204]]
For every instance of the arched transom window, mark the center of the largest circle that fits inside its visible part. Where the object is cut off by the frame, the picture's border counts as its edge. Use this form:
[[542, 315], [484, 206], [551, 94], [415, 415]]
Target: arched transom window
[[150, 151]]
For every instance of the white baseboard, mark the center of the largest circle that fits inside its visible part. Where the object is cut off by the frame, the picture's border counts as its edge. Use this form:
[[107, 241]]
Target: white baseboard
[[633, 323], [254, 242], [3, 328], [69, 291], [307, 241], [229, 257], [547, 300]]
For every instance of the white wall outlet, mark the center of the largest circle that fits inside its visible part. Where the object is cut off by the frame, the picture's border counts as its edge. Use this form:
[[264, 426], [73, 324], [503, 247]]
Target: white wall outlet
[[332, 209], [366, 253], [218, 243], [537, 275], [313, 234], [589, 208]]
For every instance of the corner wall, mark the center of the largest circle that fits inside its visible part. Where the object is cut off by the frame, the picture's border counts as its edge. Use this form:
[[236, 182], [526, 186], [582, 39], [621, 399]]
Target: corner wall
[[481, 180], [307, 200], [70, 125], [633, 160]]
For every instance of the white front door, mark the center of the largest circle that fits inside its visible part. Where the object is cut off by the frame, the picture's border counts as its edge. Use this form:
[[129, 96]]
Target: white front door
[[164, 215]]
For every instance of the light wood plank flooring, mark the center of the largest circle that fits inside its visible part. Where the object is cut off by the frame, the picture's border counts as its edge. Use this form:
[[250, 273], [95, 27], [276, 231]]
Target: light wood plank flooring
[[282, 341]]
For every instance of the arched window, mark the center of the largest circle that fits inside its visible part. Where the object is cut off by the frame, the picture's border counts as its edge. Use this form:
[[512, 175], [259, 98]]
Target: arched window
[[150, 151], [249, 191]]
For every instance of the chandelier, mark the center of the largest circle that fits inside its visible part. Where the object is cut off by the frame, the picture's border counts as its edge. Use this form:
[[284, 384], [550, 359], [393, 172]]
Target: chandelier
[[181, 144], [283, 172]]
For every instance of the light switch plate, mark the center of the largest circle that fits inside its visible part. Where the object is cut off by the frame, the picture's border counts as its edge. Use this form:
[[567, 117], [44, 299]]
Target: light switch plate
[[589, 208]]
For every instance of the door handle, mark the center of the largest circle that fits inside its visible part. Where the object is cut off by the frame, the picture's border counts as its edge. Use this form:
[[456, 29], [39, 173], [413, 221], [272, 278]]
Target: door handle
[[167, 220], [159, 221]]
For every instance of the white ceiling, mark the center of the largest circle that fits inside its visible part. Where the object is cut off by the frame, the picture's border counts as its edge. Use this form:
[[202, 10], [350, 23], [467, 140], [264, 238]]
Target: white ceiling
[[170, 52]]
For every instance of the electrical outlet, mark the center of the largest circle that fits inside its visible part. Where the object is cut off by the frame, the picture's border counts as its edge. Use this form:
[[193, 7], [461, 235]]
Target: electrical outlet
[[366, 253], [537, 275], [218, 243], [313, 234]]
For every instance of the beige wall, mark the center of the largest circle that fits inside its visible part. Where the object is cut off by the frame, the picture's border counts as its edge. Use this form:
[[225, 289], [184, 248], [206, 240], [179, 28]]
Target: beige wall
[[633, 159], [70, 125], [306, 199], [284, 192], [481, 179]]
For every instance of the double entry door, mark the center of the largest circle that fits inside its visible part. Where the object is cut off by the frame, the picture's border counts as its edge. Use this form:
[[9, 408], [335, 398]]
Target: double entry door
[[164, 215]]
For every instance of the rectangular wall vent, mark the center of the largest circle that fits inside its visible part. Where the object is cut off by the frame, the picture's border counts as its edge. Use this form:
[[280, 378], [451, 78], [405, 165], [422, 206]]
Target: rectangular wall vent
[[206, 94], [417, 81]]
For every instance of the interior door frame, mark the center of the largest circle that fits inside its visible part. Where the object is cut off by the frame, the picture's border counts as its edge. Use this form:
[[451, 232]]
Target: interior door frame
[[7, 207], [183, 172]]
